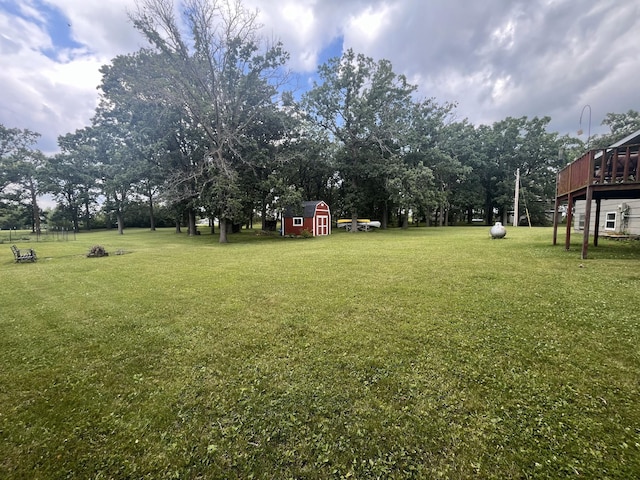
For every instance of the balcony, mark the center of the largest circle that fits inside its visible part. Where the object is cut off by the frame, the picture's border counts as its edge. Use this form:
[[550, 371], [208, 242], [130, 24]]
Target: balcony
[[611, 168]]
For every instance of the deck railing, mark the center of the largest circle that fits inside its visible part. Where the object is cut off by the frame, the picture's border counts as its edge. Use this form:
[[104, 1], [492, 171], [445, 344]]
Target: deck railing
[[602, 166]]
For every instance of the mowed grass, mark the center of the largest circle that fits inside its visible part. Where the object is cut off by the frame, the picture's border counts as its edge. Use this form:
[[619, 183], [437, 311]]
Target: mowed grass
[[427, 353]]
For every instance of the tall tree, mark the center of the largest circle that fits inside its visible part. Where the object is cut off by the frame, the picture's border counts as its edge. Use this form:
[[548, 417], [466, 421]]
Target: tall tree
[[21, 166], [364, 105], [72, 177], [132, 87], [436, 142], [222, 73], [299, 166], [411, 189], [525, 144], [458, 140]]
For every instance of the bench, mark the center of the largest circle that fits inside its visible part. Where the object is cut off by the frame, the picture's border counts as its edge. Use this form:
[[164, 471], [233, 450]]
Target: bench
[[28, 255]]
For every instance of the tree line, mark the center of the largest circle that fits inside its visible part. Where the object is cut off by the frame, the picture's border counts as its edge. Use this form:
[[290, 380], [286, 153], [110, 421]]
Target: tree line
[[202, 122]]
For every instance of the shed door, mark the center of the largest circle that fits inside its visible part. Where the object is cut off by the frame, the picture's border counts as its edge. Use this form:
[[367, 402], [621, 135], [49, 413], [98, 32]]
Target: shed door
[[322, 225]]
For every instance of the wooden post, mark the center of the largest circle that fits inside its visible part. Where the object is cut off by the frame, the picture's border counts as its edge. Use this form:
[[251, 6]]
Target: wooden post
[[587, 218], [596, 223], [567, 239], [555, 220]]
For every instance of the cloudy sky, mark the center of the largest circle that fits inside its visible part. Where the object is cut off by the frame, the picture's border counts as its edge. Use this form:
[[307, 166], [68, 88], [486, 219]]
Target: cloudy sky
[[495, 58]]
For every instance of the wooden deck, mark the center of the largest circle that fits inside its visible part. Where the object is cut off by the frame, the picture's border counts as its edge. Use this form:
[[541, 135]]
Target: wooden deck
[[609, 167], [602, 173]]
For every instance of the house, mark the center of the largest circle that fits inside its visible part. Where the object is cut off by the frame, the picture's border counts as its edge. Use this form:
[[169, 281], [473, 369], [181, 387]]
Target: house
[[601, 189], [313, 216], [616, 217]]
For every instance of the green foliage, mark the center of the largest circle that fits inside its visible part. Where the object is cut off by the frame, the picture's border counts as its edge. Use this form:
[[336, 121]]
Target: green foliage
[[72, 177], [365, 107], [222, 76], [620, 125], [137, 216], [427, 353], [14, 216], [518, 143], [21, 170]]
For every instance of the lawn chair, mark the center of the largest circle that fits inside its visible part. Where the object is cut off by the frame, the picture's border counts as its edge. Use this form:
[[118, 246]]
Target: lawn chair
[[28, 255]]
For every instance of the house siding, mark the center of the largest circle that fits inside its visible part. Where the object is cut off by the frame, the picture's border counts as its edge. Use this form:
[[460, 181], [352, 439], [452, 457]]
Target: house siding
[[631, 226]]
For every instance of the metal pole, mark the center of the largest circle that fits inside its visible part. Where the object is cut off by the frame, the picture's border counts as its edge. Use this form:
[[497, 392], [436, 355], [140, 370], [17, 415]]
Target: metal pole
[[516, 198], [589, 130]]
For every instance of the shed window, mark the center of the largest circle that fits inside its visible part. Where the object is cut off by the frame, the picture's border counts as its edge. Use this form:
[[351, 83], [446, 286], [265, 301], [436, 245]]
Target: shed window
[[297, 221], [610, 222]]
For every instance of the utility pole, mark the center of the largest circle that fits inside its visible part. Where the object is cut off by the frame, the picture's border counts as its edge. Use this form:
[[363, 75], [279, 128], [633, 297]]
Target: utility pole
[[515, 199]]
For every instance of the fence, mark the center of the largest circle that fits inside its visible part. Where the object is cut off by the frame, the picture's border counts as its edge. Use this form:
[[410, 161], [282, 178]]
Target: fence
[[46, 235]]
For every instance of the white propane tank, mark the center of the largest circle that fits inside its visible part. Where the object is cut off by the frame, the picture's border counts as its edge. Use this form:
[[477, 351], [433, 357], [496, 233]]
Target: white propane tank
[[498, 231]]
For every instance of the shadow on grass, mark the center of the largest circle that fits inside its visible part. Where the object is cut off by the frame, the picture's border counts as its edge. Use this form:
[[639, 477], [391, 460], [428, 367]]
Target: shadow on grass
[[607, 249]]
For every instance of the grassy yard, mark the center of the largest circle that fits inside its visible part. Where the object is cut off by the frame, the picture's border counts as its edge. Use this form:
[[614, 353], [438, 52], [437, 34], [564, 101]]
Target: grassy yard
[[427, 353]]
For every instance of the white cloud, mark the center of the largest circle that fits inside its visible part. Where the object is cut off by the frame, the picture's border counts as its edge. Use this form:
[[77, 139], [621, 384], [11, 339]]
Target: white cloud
[[504, 36], [496, 59], [368, 24], [299, 16], [301, 24], [54, 91]]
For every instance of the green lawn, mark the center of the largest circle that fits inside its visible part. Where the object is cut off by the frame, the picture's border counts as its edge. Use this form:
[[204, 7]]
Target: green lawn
[[427, 353]]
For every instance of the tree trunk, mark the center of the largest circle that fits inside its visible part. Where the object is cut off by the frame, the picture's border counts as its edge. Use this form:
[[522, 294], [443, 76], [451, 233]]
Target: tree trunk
[[191, 216], [263, 213], [385, 216], [76, 219], [223, 231], [152, 217], [87, 215], [36, 209], [120, 220], [405, 219], [354, 222], [178, 230], [488, 210]]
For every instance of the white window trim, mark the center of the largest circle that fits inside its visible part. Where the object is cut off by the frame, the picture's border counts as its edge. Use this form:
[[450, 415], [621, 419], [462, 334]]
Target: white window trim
[[298, 221], [606, 221]]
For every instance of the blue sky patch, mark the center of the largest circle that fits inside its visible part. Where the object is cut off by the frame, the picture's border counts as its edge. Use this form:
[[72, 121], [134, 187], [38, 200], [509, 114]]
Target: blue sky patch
[[50, 19]]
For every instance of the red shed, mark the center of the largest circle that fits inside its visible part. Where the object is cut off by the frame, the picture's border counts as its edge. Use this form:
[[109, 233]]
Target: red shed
[[313, 216]]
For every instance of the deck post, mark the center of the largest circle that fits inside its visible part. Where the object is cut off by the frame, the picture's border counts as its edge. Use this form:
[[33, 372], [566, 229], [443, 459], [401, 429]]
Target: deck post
[[567, 239], [596, 223], [555, 213], [587, 218], [555, 220]]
